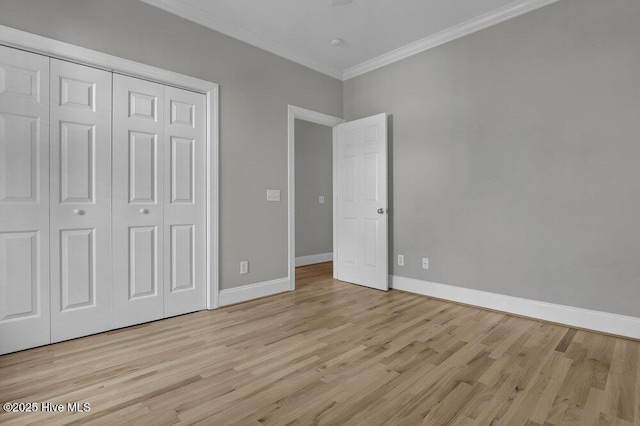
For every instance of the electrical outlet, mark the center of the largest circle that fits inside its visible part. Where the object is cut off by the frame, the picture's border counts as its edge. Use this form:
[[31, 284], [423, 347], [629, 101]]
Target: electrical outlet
[[425, 263], [244, 267], [401, 260], [321, 199]]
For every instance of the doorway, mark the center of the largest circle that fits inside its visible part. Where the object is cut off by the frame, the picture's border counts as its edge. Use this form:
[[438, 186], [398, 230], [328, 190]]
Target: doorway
[[313, 195], [359, 210], [313, 129]]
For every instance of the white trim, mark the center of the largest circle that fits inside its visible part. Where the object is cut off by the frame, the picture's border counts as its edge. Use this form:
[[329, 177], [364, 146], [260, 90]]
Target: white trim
[[202, 17], [213, 198], [478, 23], [620, 325], [294, 112], [334, 136], [253, 291], [313, 259], [57, 49]]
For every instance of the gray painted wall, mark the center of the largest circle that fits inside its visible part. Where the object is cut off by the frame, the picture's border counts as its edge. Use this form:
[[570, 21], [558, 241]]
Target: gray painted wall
[[515, 155], [256, 88], [314, 176], [514, 150]]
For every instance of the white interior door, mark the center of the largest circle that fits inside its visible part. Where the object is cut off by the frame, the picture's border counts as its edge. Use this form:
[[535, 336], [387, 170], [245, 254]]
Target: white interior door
[[184, 201], [24, 200], [138, 201], [80, 135], [362, 202]]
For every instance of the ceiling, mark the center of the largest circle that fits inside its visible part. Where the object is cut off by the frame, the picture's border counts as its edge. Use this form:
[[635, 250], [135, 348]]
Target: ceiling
[[373, 32]]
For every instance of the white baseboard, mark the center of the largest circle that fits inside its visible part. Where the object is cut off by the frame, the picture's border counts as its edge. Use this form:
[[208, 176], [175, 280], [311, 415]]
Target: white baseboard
[[621, 325], [252, 291], [314, 258]]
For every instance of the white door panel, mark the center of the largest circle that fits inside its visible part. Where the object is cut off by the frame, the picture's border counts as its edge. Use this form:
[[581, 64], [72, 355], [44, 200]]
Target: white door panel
[[138, 201], [24, 200], [80, 183], [362, 202], [185, 201]]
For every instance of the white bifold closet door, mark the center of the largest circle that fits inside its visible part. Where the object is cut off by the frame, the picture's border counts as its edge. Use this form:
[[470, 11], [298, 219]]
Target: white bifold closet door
[[102, 200], [138, 201], [24, 200], [159, 201], [185, 201], [80, 138]]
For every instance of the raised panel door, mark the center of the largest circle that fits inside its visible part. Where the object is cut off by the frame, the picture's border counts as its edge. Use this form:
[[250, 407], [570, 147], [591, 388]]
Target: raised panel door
[[361, 256], [138, 201], [80, 134], [24, 200], [185, 201]]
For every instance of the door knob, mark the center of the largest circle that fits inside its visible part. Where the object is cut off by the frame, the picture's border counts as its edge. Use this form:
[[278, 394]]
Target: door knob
[[144, 211], [380, 210], [79, 212]]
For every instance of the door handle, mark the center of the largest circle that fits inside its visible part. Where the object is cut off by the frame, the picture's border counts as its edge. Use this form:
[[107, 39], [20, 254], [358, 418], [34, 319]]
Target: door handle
[[380, 210], [144, 211], [78, 212]]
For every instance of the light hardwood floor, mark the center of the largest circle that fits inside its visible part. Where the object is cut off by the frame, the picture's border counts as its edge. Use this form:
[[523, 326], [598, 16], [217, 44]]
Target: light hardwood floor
[[334, 353]]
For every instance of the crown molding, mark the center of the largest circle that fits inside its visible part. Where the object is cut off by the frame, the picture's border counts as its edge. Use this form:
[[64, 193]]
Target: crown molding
[[478, 23], [199, 16]]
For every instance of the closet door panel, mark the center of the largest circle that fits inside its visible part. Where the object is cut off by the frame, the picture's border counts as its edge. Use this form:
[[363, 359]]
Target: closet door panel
[[24, 200], [138, 200], [80, 134], [185, 201]]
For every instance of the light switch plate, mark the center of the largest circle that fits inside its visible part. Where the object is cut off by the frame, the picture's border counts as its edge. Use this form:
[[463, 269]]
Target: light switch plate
[[321, 199], [273, 195]]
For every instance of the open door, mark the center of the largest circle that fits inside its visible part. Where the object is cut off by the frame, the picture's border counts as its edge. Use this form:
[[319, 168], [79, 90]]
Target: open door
[[361, 202]]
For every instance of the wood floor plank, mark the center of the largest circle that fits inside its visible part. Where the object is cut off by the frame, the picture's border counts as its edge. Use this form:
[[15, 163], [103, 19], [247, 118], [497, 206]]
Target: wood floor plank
[[591, 412], [333, 353], [557, 374]]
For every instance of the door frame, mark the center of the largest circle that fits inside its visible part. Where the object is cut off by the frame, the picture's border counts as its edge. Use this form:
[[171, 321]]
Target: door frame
[[294, 113], [23, 40]]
